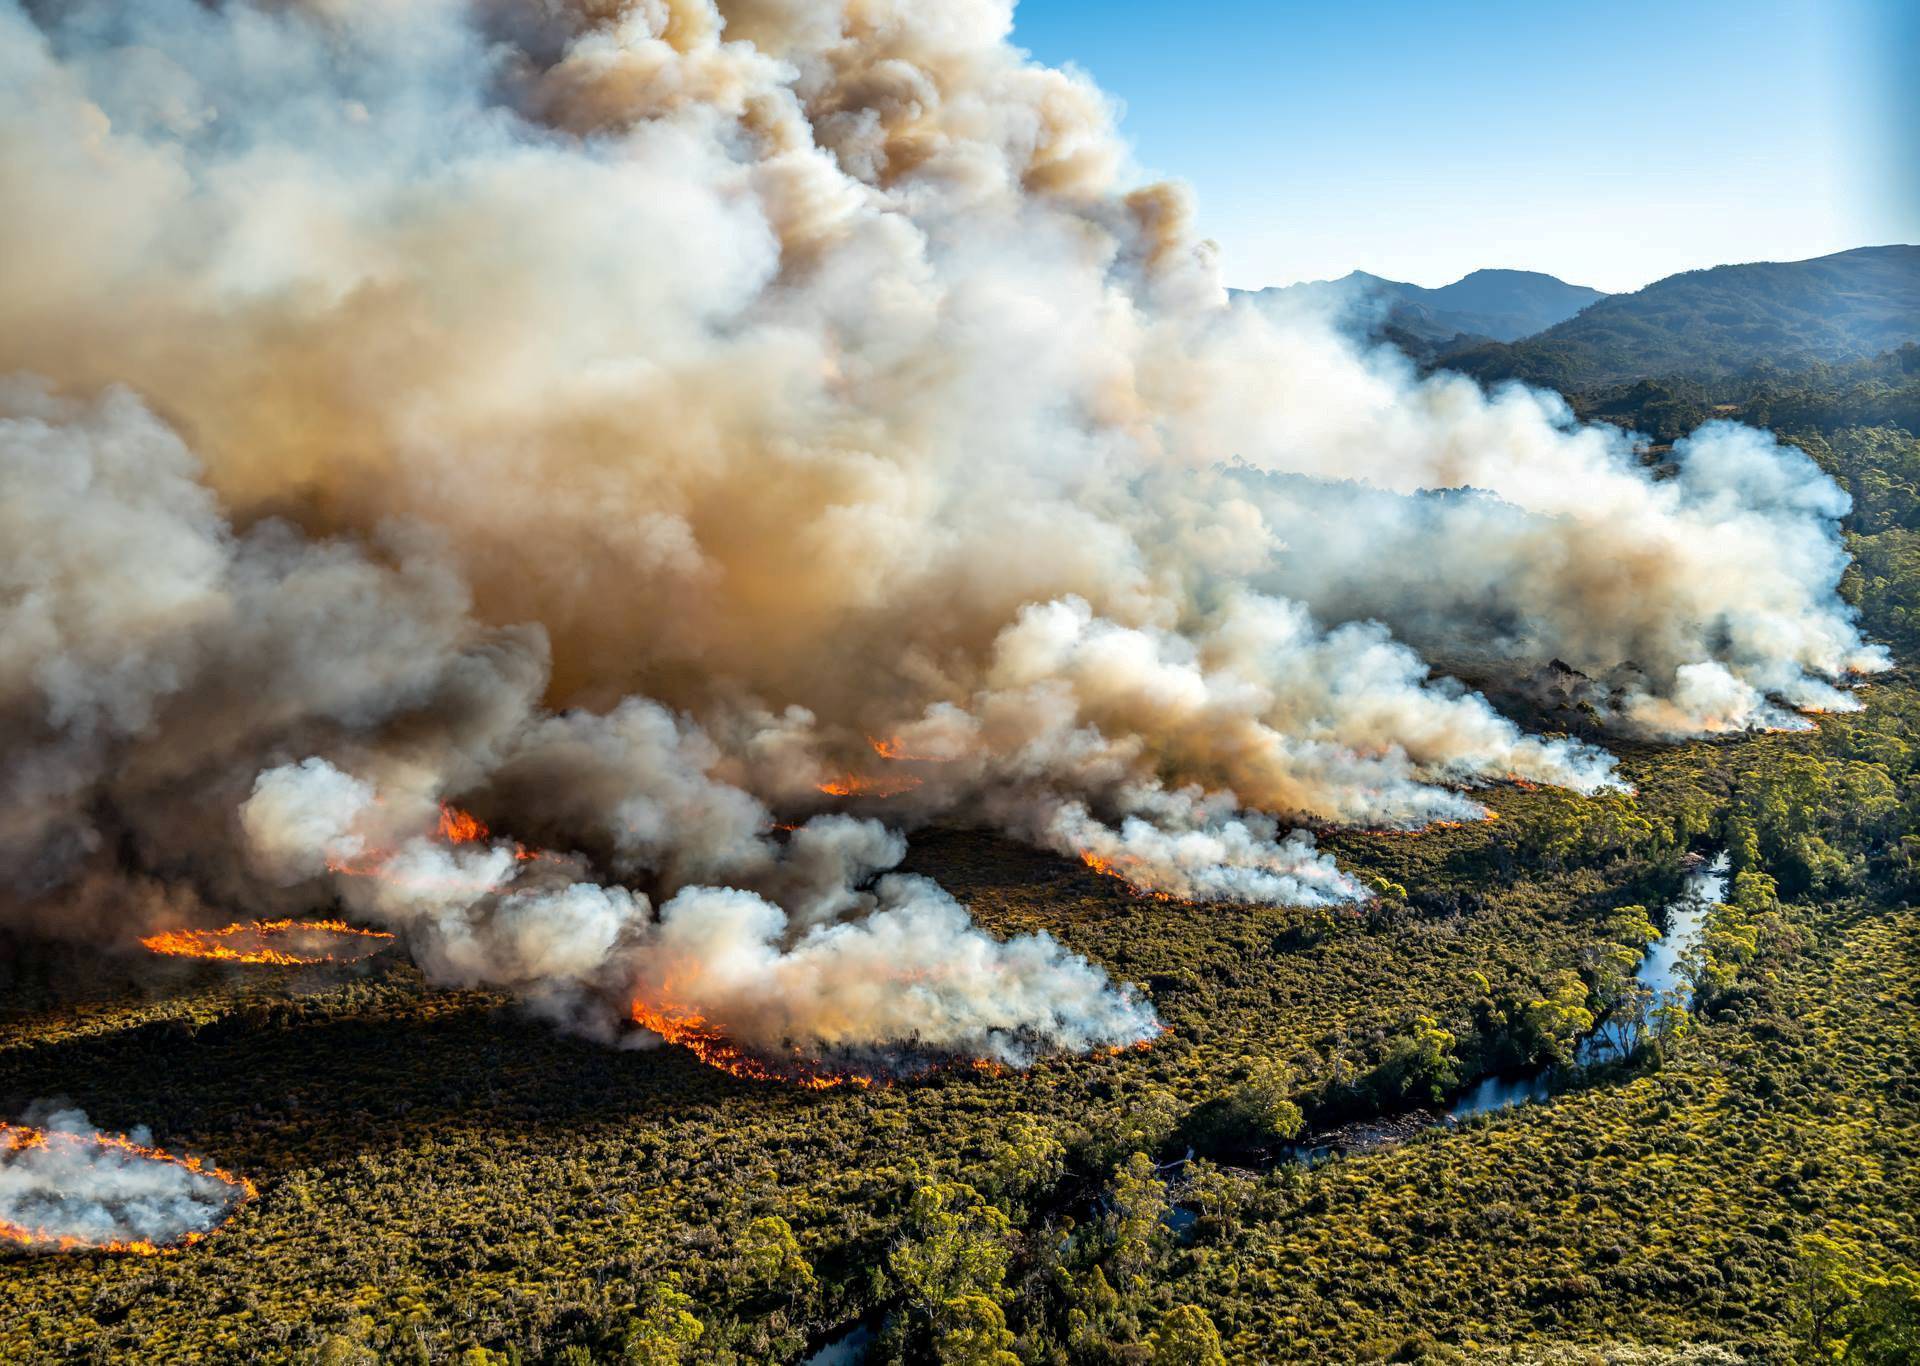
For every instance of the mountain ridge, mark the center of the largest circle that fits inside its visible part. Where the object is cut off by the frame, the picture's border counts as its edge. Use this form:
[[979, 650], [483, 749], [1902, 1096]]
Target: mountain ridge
[[1490, 303], [1718, 320]]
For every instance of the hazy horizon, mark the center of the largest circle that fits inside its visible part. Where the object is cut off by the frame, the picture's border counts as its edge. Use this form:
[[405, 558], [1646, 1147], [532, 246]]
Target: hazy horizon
[[1455, 279]]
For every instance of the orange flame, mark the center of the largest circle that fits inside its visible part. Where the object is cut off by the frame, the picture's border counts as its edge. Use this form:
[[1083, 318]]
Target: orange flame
[[1411, 832], [854, 785], [707, 1043], [1111, 868], [1137, 1046], [455, 826], [895, 748], [208, 943], [18, 1137], [460, 827], [463, 827], [693, 1033]]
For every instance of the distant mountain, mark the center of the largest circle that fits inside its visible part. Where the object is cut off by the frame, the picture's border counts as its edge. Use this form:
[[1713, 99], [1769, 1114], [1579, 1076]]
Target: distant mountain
[[1501, 305], [1707, 323]]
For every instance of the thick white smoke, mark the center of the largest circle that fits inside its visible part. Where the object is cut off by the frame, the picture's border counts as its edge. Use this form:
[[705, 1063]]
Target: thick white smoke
[[65, 1185], [651, 423], [911, 970]]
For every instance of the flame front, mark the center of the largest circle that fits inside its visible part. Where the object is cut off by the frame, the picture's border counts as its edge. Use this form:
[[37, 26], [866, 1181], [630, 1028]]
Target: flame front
[[210, 943], [18, 1138], [855, 785], [693, 1033], [1112, 868], [1414, 831]]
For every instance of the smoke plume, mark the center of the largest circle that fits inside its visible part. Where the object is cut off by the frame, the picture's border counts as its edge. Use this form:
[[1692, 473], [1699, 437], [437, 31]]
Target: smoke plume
[[64, 1185], [706, 439]]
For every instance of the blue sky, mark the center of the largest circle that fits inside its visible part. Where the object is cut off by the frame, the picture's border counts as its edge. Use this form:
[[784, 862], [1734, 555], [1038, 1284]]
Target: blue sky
[[1607, 143]]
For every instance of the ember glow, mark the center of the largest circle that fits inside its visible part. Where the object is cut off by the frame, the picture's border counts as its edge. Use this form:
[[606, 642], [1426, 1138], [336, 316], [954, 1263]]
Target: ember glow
[[67, 1191], [241, 942], [713, 1048], [855, 785]]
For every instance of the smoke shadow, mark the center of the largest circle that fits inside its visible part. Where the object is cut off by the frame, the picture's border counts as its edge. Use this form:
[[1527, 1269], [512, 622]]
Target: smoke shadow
[[301, 1080]]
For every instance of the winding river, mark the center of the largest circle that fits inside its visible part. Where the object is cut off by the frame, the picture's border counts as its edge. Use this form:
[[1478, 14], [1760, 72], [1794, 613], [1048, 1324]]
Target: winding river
[[1660, 971]]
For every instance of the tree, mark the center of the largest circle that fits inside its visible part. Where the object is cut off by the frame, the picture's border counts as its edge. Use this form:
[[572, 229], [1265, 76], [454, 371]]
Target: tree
[[953, 1244], [1420, 1062], [1631, 1019], [1848, 1310], [774, 1258], [1255, 1113], [1186, 1337], [973, 1332], [1672, 1020], [1029, 1159], [1885, 1328], [661, 1333], [1554, 1019], [1139, 1202]]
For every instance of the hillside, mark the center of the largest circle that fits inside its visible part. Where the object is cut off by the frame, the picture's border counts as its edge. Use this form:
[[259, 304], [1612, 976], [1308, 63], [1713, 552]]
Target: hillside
[[1500, 304], [1707, 323]]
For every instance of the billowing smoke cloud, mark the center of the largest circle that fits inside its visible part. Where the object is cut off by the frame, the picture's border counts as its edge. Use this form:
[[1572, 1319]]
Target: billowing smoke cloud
[[912, 969], [652, 424], [1705, 598], [64, 1185]]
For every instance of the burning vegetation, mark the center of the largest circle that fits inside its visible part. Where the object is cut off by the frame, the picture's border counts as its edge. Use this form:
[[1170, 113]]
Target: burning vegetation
[[858, 785], [463, 827], [302, 943], [248, 942], [716, 1050], [460, 827], [65, 1189], [1113, 868], [893, 747], [713, 1048]]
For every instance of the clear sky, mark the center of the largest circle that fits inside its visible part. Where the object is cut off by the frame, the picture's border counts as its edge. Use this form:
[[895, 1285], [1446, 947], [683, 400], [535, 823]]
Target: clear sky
[[1609, 142]]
